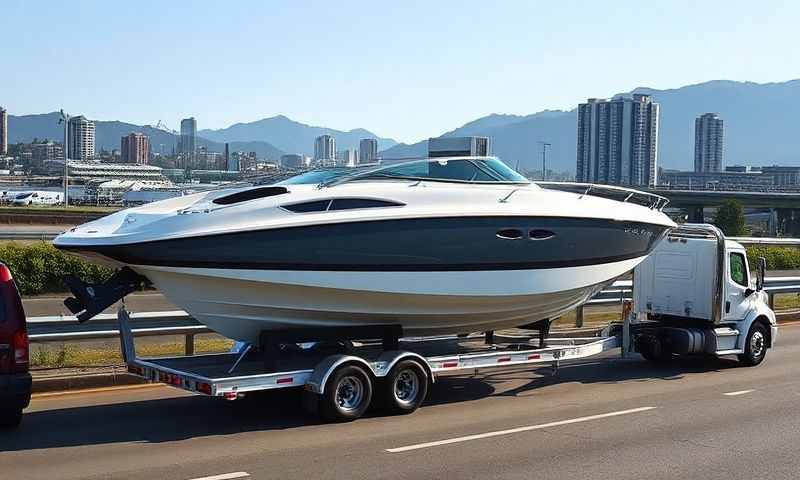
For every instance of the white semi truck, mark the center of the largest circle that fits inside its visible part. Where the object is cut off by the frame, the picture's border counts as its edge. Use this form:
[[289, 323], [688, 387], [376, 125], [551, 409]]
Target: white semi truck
[[695, 294]]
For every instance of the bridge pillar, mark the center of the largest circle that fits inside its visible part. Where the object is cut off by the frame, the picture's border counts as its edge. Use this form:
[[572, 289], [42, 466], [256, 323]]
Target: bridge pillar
[[788, 222], [696, 214], [772, 222], [793, 229]]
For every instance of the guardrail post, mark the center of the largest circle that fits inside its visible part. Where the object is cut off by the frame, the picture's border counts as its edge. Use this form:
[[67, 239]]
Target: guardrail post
[[189, 343], [771, 297], [579, 317]]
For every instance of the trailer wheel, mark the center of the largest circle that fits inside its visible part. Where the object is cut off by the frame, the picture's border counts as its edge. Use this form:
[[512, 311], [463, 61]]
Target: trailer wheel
[[347, 396], [404, 388], [755, 346]]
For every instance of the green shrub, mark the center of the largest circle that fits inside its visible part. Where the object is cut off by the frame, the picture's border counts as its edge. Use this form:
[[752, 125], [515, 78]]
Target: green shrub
[[40, 268], [778, 258]]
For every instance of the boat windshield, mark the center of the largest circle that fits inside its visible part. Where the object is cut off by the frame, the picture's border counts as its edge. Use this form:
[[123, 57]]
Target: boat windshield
[[456, 169], [322, 175]]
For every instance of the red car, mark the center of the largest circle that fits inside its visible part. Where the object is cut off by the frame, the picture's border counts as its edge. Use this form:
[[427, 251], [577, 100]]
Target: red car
[[15, 379]]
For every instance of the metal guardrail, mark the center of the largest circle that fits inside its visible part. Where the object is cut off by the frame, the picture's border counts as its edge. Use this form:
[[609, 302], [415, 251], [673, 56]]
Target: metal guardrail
[[104, 326], [28, 235], [774, 241]]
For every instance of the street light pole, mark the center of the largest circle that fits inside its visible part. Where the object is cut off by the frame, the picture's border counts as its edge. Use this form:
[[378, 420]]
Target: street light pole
[[544, 159], [65, 118]]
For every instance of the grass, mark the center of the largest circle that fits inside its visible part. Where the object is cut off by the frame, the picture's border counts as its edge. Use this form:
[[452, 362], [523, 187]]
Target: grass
[[76, 355], [787, 301]]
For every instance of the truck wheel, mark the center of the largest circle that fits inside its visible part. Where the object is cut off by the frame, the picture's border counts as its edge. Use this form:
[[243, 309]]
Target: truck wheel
[[10, 417], [347, 396], [755, 346], [652, 349], [404, 388]]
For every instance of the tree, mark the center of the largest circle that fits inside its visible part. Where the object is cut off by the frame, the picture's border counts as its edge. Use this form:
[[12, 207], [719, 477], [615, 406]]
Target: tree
[[730, 219]]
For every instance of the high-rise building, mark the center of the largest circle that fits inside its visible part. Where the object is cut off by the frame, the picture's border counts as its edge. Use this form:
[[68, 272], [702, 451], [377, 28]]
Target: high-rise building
[[44, 151], [135, 148], [293, 161], [187, 145], [3, 131], [618, 141], [458, 147], [81, 138], [346, 158], [228, 165], [708, 141], [325, 150], [367, 151]]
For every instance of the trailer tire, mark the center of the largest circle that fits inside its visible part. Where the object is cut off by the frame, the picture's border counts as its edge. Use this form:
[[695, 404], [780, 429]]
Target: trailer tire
[[404, 389], [755, 346], [348, 393]]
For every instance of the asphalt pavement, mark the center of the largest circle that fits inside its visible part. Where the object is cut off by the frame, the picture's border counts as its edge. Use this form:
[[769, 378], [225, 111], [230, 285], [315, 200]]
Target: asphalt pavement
[[598, 418]]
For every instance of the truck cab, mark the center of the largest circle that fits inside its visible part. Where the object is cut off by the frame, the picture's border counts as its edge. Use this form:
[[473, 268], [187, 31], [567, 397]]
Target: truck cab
[[696, 293]]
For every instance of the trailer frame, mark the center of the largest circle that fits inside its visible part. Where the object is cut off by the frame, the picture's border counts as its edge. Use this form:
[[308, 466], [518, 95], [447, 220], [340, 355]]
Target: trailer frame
[[206, 373]]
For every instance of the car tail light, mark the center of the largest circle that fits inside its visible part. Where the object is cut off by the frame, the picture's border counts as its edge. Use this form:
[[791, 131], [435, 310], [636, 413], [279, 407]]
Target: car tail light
[[13, 331], [21, 348]]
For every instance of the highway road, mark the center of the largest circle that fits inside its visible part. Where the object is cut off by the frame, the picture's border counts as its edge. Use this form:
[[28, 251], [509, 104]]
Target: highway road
[[601, 418]]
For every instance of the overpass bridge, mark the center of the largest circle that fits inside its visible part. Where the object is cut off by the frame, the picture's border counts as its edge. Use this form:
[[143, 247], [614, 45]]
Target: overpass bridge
[[785, 204]]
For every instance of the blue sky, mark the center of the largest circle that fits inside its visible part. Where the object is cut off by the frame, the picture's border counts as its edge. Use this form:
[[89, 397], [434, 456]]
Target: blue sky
[[407, 69]]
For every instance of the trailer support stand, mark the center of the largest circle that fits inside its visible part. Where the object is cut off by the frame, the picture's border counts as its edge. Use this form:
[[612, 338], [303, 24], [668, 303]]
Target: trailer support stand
[[128, 348]]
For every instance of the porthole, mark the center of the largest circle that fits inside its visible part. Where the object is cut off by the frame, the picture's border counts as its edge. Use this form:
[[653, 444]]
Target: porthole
[[509, 234], [539, 234]]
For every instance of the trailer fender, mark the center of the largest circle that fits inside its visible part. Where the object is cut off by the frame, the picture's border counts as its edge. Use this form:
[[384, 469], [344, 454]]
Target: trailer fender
[[324, 369], [388, 359]]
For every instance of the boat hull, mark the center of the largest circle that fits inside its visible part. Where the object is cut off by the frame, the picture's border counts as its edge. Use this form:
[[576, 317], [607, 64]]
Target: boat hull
[[241, 303]]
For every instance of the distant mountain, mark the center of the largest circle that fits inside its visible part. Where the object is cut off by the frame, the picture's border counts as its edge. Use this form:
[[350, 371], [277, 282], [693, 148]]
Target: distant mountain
[[761, 123], [291, 136], [761, 127], [108, 134]]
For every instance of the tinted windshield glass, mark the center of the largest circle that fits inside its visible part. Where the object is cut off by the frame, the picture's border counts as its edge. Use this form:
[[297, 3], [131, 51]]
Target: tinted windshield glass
[[462, 170], [319, 176], [23, 195]]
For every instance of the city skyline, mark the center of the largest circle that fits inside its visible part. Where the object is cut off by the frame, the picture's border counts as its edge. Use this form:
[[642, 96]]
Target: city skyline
[[539, 44]]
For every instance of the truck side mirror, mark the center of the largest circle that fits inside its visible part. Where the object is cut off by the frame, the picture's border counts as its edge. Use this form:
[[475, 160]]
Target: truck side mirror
[[761, 271]]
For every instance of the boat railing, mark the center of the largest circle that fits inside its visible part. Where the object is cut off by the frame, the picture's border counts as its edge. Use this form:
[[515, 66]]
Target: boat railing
[[613, 192]]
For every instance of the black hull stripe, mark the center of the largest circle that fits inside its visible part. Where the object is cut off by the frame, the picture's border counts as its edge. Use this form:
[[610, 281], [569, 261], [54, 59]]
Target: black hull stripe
[[358, 268], [410, 245]]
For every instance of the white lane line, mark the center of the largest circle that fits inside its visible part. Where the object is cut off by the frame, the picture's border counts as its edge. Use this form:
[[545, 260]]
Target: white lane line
[[738, 392], [225, 476], [516, 430]]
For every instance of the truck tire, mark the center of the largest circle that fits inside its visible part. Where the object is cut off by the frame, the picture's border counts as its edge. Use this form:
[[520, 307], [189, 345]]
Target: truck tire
[[755, 346], [10, 417], [653, 349], [404, 388], [348, 393]]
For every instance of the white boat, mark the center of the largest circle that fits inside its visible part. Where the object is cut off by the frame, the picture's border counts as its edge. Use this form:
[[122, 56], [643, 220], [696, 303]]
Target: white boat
[[438, 246]]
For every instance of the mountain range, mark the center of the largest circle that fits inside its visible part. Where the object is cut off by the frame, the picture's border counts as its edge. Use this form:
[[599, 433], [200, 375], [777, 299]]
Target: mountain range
[[761, 128], [291, 136]]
